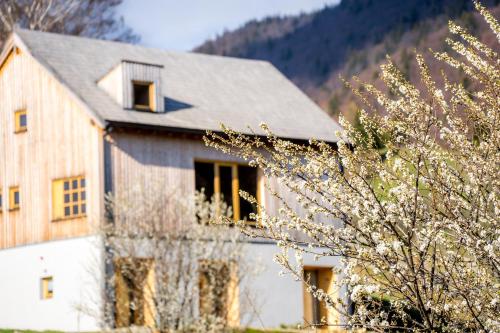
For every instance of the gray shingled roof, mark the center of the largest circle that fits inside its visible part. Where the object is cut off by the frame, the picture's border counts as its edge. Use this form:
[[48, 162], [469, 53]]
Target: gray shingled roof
[[236, 92]]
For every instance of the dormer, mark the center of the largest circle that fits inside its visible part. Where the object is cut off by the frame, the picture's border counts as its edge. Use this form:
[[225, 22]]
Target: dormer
[[135, 86]]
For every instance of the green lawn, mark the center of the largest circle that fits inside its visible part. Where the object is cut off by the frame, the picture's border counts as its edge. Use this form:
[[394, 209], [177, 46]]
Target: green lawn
[[26, 331], [248, 330]]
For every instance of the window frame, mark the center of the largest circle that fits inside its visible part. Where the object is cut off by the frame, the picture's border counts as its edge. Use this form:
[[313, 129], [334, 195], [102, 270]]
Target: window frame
[[234, 183], [46, 293], [231, 302], [18, 128], [151, 96], [58, 204], [322, 273], [13, 206]]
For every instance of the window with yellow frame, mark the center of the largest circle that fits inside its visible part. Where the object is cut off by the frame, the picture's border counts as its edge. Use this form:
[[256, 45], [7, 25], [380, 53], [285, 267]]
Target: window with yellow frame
[[143, 95], [14, 198], [47, 287], [227, 179], [21, 121], [69, 198], [218, 290]]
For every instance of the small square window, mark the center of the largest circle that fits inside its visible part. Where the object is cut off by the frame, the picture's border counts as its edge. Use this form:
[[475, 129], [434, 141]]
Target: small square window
[[143, 95], [21, 121], [47, 287], [14, 198]]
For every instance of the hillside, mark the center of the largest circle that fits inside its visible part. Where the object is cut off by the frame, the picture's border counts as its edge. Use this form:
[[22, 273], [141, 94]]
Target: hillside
[[352, 37], [334, 97]]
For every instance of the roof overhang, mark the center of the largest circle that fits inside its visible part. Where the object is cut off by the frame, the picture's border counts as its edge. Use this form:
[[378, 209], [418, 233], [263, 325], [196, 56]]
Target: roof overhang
[[181, 131]]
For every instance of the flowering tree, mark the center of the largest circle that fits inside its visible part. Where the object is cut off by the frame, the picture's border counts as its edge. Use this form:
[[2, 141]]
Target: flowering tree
[[175, 265], [420, 234]]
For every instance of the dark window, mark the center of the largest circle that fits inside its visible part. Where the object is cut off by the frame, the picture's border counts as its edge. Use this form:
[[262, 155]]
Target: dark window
[[205, 178], [16, 198], [142, 95], [226, 184], [248, 183], [220, 178], [23, 120]]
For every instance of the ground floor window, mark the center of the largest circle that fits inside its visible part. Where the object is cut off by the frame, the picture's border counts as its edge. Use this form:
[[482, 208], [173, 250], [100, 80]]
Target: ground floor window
[[316, 312], [218, 290], [47, 287], [134, 290], [227, 179]]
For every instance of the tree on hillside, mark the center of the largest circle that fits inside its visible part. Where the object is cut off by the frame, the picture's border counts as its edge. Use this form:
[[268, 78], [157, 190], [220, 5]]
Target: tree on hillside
[[420, 235], [89, 18]]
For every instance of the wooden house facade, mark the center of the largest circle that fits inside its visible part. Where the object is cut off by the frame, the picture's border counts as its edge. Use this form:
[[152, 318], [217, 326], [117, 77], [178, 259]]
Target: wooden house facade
[[81, 118]]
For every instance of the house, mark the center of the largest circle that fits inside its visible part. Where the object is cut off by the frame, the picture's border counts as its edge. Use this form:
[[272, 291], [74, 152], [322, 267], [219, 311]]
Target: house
[[81, 117]]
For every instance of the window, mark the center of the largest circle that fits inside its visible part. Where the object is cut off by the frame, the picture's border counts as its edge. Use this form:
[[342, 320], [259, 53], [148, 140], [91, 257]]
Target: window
[[47, 287], [144, 95], [316, 312], [21, 121], [218, 290], [134, 290], [1, 200], [227, 179], [69, 198], [14, 198]]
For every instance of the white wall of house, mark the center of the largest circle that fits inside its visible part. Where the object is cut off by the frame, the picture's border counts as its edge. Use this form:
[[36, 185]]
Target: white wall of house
[[73, 264], [278, 299]]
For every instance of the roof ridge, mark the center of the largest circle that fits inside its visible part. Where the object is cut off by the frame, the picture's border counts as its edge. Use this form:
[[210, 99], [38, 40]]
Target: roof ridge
[[21, 30]]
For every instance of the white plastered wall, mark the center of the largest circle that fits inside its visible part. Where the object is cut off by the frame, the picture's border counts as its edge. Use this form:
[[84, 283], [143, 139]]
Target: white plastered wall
[[278, 300], [76, 268]]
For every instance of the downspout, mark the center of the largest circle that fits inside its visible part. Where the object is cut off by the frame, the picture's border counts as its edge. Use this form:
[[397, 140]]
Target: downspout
[[109, 310]]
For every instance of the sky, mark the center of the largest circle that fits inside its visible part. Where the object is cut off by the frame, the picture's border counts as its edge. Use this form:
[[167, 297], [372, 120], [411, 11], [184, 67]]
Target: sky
[[184, 24]]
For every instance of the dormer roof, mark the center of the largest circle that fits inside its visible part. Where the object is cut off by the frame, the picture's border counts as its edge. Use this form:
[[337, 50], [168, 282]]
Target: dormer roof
[[199, 91]]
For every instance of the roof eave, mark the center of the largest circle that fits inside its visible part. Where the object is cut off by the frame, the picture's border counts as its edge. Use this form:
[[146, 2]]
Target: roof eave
[[111, 125]]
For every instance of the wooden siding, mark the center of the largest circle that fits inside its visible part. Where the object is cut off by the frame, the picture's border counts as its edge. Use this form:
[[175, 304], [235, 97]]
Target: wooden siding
[[142, 73], [60, 141], [150, 161], [147, 160]]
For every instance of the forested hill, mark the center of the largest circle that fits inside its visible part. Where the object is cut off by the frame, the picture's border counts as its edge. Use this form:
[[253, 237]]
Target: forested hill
[[312, 49]]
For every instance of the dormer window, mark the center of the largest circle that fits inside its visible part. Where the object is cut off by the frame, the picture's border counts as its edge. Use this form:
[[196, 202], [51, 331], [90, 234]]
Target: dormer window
[[143, 95], [135, 86]]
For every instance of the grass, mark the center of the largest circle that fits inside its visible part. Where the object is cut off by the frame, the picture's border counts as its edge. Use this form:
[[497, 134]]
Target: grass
[[26, 331], [248, 330]]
